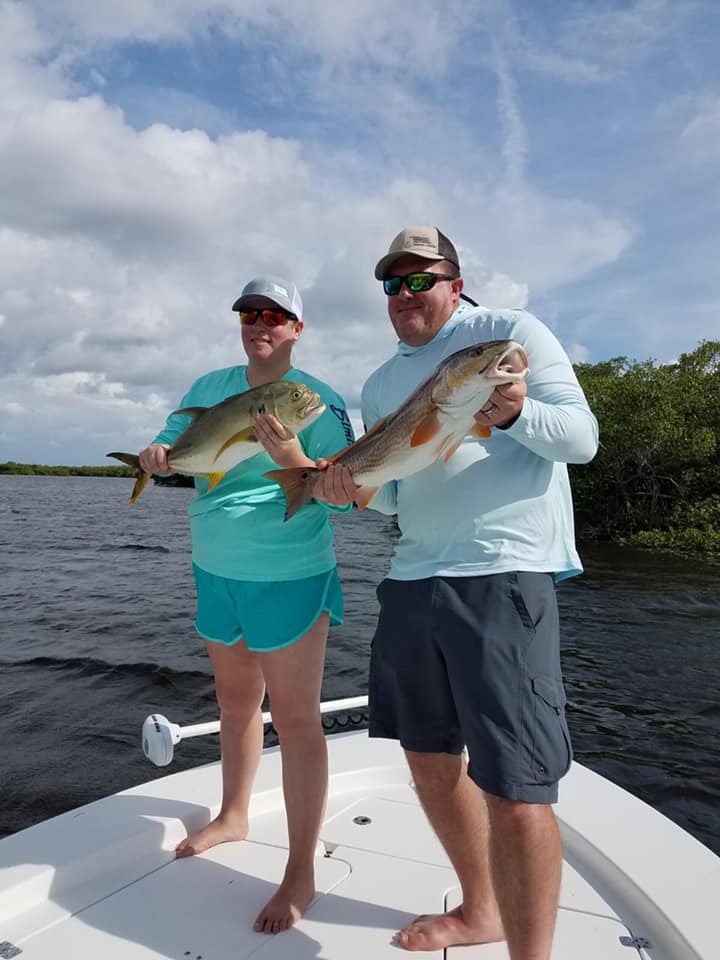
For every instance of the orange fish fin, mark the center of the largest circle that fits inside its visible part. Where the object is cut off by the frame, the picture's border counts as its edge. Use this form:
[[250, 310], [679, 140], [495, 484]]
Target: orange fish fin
[[189, 412], [481, 431], [247, 435], [364, 495], [214, 479], [428, 428], [452, 450], [297, 483]]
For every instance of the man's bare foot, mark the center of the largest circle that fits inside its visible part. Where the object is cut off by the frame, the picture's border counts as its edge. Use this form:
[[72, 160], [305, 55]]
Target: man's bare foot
[[435, 931], [219, 830], [286, 906]]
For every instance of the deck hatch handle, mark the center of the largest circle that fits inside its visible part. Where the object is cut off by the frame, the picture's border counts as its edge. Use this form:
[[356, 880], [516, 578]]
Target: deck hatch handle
[[9, 950], [637, 942]]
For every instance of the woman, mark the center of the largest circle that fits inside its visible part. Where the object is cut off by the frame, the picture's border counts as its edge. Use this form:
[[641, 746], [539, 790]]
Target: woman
[[267, 592]]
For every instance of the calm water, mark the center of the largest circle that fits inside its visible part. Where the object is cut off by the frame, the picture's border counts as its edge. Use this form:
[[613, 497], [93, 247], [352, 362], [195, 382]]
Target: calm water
[[97, 606]]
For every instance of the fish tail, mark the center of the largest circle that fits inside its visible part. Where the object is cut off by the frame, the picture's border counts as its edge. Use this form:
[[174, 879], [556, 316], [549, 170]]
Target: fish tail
[[133, 460], [297, 483]]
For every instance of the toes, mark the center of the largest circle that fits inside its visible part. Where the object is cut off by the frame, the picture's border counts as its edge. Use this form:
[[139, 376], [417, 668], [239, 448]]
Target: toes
[[402, 940], [270, 925]]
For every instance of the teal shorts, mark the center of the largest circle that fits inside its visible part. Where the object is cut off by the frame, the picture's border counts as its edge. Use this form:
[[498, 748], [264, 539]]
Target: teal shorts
[[267, 616]]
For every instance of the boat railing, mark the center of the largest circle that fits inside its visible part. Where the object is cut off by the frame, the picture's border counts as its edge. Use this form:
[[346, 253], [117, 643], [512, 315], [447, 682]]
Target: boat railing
[[160, 736]]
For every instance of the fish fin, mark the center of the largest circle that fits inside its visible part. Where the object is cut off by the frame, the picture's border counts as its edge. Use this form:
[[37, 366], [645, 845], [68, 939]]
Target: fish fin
[[131, 459], [214, 479], [481, 431], [452, 449], [297, 484], [141, 478], [140, 484], [364, 495], [189, 412], [428, 428], [247, 435]]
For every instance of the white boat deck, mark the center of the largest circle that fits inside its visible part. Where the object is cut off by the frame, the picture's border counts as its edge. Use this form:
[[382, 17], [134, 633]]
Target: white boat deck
[[103, 882]]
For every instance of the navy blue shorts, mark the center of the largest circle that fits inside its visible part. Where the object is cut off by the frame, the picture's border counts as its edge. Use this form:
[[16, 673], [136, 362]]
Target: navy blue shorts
[[475, 661]]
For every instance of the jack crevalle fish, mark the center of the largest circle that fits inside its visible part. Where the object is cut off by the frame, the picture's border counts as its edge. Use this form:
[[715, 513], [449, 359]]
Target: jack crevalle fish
[[430, 424], [223, 435]]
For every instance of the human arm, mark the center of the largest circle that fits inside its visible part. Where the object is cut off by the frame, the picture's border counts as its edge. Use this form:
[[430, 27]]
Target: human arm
[[554, 420], [153, 458]]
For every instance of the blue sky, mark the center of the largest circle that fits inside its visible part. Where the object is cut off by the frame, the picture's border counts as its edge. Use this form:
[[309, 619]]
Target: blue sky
[[155, 156]]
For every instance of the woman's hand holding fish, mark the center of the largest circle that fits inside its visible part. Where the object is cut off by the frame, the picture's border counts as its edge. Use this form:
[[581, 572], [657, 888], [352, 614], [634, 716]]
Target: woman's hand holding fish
[[335, 484], [153, 459], [504, 406], [282, 446]]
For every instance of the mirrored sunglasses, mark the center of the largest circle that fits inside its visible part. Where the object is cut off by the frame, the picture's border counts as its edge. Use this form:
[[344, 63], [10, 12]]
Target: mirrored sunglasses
[[271, 318], [416, 282]]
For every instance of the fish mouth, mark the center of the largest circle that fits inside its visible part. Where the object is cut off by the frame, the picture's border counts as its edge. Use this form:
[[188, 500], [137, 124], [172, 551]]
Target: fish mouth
[[511, 363], [311, 412]]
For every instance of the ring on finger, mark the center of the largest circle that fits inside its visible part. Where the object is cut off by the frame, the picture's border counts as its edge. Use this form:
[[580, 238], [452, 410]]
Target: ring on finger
[[491, 409]]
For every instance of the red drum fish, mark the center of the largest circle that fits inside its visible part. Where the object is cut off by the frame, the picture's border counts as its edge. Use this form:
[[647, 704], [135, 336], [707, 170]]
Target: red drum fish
[[430, 424]]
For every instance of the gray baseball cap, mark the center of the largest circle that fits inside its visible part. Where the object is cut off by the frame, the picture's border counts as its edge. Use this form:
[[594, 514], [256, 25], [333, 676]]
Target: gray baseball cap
[[270, 291], [426, 242]]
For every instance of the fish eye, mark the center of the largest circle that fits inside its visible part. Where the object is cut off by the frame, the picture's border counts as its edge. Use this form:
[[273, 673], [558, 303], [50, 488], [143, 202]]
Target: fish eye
[[296, 395]]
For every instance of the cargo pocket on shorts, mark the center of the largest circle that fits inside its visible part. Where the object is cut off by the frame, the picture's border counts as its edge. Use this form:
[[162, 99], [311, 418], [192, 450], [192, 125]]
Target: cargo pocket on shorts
[[551, 751]]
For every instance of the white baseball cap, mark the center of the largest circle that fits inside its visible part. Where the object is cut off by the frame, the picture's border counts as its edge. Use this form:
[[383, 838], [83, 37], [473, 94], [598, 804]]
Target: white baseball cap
[[270, 291]]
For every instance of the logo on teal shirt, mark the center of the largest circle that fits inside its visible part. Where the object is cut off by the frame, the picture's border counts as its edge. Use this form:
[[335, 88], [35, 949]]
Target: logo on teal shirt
[[341, 414]]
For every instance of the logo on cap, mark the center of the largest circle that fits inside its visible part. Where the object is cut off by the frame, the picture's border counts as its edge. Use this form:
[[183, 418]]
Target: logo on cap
[[420, 241]]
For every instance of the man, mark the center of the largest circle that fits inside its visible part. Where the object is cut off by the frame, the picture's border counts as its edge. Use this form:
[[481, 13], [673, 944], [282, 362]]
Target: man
[[466, 650]]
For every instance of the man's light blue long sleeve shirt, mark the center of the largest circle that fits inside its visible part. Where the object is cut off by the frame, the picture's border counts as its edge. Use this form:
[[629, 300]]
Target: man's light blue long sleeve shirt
[[502, 503]]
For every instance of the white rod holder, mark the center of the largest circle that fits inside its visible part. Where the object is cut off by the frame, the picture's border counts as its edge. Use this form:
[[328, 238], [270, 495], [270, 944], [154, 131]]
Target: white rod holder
[[160, 736], [329, 706]]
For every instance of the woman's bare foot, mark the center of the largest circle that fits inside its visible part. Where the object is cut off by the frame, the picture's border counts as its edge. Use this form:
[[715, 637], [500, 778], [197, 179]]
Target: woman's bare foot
[[219, 830], [286, 906], [435, 931]]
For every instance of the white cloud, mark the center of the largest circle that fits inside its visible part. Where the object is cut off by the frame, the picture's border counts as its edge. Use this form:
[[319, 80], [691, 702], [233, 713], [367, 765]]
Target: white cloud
[[578, 353], [611, 37], [123, 245], [701, 135]]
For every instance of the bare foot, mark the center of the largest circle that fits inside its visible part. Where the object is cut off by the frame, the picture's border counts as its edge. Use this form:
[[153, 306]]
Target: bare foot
[[286, 906], [219, 830], [435, 931]]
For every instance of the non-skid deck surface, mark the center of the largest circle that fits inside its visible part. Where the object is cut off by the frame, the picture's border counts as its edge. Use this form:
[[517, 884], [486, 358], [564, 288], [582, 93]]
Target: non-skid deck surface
[[385, 867]]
